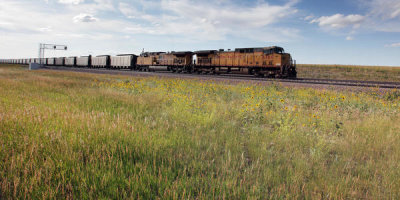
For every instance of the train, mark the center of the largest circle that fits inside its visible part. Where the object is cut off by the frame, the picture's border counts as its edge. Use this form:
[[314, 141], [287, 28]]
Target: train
[[271, 62]]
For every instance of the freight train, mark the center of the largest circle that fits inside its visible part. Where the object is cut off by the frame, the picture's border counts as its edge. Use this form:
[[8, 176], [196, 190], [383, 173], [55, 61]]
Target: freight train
[[263, 62]]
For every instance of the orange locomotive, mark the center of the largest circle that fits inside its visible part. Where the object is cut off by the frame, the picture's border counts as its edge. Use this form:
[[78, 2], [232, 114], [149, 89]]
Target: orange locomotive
[[264, 61]]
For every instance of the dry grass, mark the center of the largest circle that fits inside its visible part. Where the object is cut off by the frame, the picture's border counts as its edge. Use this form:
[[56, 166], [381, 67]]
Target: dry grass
[[71, 135], [349, 72]]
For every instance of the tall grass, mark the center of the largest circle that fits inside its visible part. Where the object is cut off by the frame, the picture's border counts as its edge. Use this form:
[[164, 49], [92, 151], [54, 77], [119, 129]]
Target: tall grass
[[79, 136], [349, 72]]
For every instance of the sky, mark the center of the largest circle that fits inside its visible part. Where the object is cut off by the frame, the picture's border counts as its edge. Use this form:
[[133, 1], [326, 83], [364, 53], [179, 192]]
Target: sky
[[356, 32]]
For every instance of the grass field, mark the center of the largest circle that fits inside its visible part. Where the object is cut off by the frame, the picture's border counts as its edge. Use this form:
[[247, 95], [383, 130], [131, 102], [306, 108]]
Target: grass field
[[348, 72], [74, 135]]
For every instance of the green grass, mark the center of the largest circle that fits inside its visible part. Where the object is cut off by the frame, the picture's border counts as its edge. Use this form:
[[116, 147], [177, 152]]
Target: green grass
[[73, 135], [349, 72]]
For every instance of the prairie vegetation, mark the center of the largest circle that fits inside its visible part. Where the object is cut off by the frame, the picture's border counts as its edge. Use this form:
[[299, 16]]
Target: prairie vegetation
[[349, 72], [74, 135]]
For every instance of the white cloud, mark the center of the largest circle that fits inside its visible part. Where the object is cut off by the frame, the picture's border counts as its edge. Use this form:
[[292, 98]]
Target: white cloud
[[393, 45], [184, 23], [207, 20], [71, 1], [309, 18], [46, 29], [349, 38], [84, 17], [385, 9], [128, 10], [340, 21]]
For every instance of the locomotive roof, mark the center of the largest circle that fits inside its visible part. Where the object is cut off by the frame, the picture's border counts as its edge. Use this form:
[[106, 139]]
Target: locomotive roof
[[181, 52], [128, 54], [205, 51], [102, 55], [152, 53], [259, 48]]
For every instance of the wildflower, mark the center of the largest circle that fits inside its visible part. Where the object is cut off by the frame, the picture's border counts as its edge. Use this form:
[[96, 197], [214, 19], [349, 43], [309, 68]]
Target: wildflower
[[336, 106], [286, 108], [282, 101]]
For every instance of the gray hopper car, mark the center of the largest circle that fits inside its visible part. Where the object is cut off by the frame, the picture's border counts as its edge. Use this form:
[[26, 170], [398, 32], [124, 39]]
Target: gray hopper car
[[60, 61], [123, 61], [70, 61], [51, 61], [101, 61], [83, 61], [43, 61]]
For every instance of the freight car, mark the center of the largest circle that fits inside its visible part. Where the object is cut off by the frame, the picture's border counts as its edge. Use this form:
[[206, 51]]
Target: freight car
[[51, 61], [43, 61], [70, 61], [102, 61], [84, 61], [60, 61], [123, 61]]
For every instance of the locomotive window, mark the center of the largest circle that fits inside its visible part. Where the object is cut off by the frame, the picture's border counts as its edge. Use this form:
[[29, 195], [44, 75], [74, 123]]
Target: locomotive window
[[271, 51]]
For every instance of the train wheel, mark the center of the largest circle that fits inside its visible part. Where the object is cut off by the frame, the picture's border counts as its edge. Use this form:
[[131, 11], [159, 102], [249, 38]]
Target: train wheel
[[261, 75]]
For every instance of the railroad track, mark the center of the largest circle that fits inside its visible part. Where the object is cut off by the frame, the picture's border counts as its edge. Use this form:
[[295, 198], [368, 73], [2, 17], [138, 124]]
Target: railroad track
[[352, 83]]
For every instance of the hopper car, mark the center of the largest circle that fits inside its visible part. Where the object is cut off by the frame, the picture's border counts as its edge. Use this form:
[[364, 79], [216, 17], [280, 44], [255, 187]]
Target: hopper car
[[70, 61], [101, 61]]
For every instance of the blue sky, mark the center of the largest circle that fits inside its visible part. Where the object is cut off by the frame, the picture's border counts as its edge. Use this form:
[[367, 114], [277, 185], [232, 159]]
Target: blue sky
[[360, 32]]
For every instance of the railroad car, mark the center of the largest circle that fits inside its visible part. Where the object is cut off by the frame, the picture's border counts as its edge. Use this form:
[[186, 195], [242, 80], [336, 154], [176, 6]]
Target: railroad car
[[123, 61], [102, 61], [43, 61], [84, 61], [51, 61], [60, 61], [70, 61], [263, 61]]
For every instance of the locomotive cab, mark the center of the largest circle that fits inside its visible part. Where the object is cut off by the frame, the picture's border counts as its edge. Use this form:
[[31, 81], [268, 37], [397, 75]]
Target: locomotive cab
[[281, 61]]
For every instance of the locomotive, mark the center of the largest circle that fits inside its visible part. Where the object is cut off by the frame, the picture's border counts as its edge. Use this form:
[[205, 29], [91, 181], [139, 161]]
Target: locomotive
[[260, 61]]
